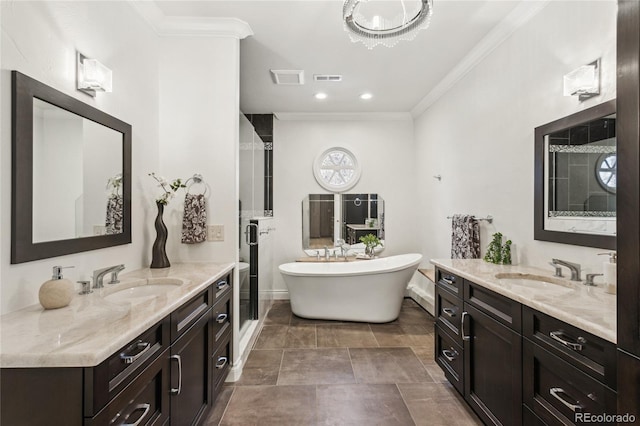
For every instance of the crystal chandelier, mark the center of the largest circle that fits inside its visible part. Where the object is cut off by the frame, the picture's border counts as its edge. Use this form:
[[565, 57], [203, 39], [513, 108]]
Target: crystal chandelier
[[385, 22]]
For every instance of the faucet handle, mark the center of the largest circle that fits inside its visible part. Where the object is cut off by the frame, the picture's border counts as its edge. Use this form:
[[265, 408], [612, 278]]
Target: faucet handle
[[590, 278], [558, 270], [86, 287]]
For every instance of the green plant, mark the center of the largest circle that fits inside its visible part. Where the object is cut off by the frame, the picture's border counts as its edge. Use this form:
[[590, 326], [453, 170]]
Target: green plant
[[370, 242], [497, 252], [169, 189]]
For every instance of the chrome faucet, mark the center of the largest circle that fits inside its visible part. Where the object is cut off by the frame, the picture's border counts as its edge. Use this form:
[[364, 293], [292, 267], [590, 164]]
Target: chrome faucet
[[326, 253], [98, 275], [573, 267]]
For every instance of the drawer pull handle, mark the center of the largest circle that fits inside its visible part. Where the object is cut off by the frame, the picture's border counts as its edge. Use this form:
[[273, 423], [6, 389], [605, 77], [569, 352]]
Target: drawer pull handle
[[449, 279], [560, 337], [449, 312], [464, 335], [222, 361], [557, 394], [450, 354], [141, 348], [221, 318], [145, 407], [221, 285], [176, 391]]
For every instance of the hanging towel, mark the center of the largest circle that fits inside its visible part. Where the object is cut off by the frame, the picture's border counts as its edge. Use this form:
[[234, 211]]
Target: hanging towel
[[465, 237], [113, 222], [194, 220]]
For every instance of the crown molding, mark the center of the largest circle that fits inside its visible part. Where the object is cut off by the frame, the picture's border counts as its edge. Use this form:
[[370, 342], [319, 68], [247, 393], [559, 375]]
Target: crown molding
[[343, 116], [514, 20], [189, 26]]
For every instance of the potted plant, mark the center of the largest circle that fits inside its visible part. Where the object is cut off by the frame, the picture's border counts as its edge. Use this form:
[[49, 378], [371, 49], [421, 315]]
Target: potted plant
[[370, 242]]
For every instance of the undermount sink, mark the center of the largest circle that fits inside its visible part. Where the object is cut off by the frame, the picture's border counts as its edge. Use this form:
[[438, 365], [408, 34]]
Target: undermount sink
[[153, 287], [535, 281]]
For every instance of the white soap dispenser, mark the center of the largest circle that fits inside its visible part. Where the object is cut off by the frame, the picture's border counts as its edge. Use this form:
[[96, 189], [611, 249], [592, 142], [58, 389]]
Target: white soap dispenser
[[57, 292], [609, 270]]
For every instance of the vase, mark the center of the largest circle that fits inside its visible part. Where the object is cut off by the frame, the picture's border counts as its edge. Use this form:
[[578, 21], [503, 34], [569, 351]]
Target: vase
[[369, 251], [159, 257]]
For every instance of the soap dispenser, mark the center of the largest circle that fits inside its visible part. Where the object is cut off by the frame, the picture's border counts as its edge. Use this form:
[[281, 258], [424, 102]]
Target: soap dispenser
[[609, 270], [57, 292]]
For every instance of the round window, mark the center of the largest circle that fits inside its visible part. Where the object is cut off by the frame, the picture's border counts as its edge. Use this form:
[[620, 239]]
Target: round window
[[607, 171], [336, 169]]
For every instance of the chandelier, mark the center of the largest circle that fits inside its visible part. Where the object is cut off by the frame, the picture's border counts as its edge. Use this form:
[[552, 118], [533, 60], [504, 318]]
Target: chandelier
[[385, 22]]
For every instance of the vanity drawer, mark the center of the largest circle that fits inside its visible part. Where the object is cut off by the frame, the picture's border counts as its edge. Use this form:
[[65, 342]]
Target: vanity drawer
[[189, 313], [559, 393], [448, 355], [144, 402], [448, 312], [104, 381], [450, 281], [502, 309], [221, 360], [222, 286], [591, 354], [222, 320]]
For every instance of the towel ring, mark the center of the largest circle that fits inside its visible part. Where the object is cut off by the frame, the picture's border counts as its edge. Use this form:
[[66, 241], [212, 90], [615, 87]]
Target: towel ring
[[196, 179], [357, 202]]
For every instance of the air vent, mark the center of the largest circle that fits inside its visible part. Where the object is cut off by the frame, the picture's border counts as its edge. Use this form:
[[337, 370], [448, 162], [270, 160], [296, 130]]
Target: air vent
[[327, 77], [288, 77]]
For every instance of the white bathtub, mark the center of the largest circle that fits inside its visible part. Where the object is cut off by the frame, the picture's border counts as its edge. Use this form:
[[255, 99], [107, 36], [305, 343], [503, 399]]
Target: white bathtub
[[362, 290]]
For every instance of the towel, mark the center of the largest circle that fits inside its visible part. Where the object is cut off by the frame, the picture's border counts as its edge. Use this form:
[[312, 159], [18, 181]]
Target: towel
[[113, 222], [465, 237], [194, 220]]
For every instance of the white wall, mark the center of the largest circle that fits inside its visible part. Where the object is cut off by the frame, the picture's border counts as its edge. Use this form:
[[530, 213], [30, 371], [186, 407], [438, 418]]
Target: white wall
[[480, 135], [199, 87], [40, 39], [385, 150]]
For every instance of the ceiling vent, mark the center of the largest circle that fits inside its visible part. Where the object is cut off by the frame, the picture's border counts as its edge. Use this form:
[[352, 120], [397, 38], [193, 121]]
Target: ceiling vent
[[288, 77], [327, 77]]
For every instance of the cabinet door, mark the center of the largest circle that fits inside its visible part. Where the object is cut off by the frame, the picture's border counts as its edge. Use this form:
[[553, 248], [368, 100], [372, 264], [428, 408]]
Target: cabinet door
[[493, 369], [191, 373]]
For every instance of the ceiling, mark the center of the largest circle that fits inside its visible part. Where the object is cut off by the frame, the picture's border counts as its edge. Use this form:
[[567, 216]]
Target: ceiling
[[308, 35]]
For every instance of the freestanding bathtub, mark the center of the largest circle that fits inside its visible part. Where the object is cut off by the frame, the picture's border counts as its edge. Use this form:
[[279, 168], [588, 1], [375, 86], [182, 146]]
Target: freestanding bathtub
[[361, 290]]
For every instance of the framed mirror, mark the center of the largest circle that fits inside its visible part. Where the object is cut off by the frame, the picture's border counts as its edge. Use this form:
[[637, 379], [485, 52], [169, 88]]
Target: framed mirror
[[71, 174], [327, 218], [576, 179]]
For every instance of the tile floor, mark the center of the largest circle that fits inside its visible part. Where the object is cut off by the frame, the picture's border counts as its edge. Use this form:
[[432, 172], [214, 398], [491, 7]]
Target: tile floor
[[309, 372]]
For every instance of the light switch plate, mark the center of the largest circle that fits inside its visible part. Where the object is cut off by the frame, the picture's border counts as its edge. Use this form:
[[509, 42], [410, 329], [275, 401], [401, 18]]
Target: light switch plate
[[215, 233]]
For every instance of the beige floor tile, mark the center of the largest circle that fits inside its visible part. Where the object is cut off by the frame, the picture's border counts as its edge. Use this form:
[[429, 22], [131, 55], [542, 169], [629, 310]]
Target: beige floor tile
[[315, 366], [258, 376], [434, 404], [268, 358], [345, 335], [296, 320], [390, 335], [278, 316], [220, 406], [271, 337], [271, 406], [282, 336], [419, 335], [361, 404], [424, 353], [387, 365], [435, 371]]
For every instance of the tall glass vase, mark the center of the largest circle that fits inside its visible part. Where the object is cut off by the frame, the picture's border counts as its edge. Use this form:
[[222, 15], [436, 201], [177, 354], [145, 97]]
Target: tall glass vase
[[159, 257]]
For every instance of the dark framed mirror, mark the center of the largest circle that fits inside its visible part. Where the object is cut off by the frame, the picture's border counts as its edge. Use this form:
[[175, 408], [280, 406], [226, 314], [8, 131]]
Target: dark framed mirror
[[576, 178], [71, 174]]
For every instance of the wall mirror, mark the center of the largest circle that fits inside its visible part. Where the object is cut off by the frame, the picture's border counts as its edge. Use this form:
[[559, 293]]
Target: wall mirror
[[71, 174], [576, 178], [327, 218]]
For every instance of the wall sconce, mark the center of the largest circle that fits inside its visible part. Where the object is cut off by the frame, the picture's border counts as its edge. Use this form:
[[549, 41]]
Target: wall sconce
[[92, 76], [583, 81]]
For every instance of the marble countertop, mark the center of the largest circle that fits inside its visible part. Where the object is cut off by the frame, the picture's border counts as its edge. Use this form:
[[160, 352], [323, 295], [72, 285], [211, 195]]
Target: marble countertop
[[588, 308], [91, 328]]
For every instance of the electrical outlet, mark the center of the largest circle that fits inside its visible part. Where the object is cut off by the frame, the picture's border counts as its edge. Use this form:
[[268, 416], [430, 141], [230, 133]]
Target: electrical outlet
[[215, 233]]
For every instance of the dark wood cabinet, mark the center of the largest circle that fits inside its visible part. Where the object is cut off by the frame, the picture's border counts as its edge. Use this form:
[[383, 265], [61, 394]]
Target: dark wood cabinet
[[493, 368], [168, 375]]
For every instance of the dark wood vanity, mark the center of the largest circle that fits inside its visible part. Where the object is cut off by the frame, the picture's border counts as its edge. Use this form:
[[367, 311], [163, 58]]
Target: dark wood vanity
[[515, 365], [170, 374]]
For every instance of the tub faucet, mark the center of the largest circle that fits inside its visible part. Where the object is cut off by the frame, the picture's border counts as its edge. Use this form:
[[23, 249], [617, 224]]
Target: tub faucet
[[573, 267], [98, 275]]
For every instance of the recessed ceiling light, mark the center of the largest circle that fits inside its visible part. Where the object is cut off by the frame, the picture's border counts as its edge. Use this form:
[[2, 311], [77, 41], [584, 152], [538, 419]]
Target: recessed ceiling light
[[366, 96], [320, 95]]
